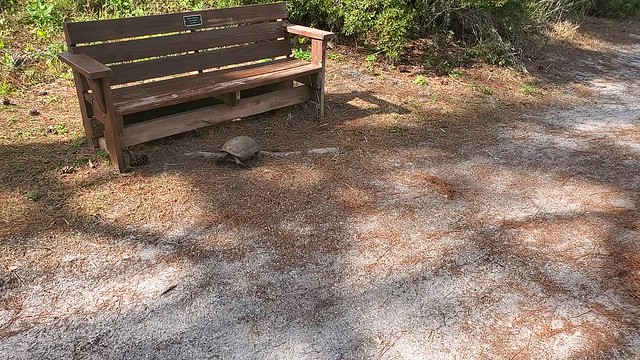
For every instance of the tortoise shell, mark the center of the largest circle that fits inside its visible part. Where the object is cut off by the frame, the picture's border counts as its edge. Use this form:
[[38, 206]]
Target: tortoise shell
[[241, 147]]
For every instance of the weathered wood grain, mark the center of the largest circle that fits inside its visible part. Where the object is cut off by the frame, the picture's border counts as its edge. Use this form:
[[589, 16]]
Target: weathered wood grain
[[102, 30], [174, 91], [310, 32], [171, 65], [85, 65], [120, 51]]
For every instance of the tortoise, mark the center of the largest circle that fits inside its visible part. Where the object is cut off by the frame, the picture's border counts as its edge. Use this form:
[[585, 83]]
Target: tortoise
[[238, 149]]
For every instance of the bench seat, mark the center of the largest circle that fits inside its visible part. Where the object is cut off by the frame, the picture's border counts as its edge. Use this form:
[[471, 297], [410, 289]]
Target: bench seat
[[153, 95]]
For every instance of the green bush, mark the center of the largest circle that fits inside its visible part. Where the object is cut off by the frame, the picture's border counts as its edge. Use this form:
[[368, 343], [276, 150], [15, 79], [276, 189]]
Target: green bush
[[499, 32], [43, 14]]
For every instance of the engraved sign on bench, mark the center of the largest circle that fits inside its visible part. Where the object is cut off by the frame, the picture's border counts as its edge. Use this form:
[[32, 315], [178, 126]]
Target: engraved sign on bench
[[192, 20]]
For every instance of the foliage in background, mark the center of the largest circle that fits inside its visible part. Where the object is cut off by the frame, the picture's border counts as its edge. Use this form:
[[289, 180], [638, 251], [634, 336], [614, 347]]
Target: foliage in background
[[615, 8], [497, 31]]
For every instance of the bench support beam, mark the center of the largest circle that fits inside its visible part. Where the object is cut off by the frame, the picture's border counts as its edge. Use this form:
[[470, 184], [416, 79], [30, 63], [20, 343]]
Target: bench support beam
[[195, 119], [230, 99]]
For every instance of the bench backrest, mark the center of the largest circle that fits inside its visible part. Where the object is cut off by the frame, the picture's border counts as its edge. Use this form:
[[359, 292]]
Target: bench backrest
[[156, 46]]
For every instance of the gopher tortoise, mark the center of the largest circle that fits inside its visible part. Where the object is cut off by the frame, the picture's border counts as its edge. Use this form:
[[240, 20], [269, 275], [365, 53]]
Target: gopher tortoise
[[238, 149]]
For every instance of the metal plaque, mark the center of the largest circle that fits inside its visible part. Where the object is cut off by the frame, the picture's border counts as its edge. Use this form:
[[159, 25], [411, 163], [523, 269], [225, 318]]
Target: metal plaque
[[192, 20]]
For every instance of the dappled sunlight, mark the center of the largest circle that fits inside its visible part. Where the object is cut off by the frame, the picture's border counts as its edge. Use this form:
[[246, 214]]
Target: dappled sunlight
[[361, 104], [469, 305], [75, 279], [297, 176], [579, 239]]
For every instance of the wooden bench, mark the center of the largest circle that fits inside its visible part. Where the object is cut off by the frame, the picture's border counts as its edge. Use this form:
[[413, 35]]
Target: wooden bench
[[144, 78]]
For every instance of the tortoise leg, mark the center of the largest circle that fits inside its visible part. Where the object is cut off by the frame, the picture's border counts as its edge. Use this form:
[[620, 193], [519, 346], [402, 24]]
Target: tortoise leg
[[222, 158], [235, 158]]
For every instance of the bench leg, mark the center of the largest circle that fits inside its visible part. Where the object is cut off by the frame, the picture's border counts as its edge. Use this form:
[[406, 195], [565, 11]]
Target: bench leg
[[92, 139], [318, 92], [85, 110], [113, 146], [318, 56], [112, 129]]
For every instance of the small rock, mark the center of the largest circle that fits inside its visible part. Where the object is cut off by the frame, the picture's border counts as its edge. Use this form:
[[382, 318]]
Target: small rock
[[7, 102], [557, 324], [43, 93], [68, 170], [34, 112], [51, 129]]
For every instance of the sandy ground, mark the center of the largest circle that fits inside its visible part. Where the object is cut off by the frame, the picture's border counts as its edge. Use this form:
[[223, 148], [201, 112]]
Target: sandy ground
[[500, 230]]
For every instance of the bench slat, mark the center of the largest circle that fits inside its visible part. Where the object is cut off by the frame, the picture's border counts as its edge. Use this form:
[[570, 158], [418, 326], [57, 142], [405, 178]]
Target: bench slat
[[102, 30], [174, 91], [112, 52], [171, 65]]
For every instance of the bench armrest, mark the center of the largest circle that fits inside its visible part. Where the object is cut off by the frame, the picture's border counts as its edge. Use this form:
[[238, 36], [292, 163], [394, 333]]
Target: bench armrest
[[85, 65], [310, 32]]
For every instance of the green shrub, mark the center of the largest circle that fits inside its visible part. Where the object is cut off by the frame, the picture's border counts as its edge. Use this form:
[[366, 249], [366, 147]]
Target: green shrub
[[42, 14], [391, 28], [499, 32], [123, 8], [420, 80], [386, 25]]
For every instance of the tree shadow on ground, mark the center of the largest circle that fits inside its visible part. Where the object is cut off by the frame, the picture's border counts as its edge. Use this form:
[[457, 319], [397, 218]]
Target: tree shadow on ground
[[276, 214], [321, 256]]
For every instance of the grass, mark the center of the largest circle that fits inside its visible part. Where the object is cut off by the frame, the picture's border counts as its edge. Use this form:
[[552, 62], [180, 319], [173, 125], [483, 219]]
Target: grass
[[486, 90], [420, 80], [455, 74], [526, 89], [369, 61]]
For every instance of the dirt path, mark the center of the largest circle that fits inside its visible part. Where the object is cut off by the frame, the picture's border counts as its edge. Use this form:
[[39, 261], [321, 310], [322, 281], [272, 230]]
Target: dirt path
[[502, 231]]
